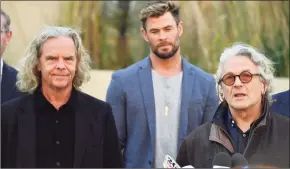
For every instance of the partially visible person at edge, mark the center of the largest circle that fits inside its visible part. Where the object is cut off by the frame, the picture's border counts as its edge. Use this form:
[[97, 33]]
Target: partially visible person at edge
[[8, 74], [281, 103], [57, 125], [159, 100], [242, 122]]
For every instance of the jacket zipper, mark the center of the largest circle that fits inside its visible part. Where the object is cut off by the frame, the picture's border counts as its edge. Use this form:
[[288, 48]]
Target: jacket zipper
[[249, 141]]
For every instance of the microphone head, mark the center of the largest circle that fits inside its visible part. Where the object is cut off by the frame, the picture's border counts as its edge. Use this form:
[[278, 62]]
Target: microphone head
[[188, 166], [238, 160], [222, 160]]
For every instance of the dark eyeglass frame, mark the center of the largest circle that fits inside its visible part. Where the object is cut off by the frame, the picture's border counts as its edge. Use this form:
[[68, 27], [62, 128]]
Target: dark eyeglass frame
[[239, 75]]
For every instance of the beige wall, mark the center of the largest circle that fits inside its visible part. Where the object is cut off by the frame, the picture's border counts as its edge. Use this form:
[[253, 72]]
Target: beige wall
[[27, 19]]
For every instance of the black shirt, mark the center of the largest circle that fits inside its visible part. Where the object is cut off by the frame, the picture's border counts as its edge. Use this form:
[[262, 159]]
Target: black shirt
[[239, 138], [54, 133]]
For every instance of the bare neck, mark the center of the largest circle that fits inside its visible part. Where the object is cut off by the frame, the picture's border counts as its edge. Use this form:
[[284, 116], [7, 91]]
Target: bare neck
[[167, 67], [246, 117], [56, 97]]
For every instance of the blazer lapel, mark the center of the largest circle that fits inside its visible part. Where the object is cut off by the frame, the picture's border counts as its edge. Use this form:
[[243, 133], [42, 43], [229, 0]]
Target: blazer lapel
[[82, 124], [187, 86], [26, 138], [145, 78], [5, 83]]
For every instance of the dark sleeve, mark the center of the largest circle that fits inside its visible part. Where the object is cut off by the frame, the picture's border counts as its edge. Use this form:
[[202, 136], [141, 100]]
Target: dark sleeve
[[3, 141], [211, 104], [8, 139], [182, 158], [112, 152]]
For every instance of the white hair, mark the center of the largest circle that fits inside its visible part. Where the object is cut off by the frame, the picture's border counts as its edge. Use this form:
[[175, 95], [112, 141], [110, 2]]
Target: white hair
[[265, 65]]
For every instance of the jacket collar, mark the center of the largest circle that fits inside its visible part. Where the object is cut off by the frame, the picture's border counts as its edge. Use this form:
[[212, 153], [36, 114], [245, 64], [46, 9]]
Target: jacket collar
[[188, 81], [220, 117], [218, 131]]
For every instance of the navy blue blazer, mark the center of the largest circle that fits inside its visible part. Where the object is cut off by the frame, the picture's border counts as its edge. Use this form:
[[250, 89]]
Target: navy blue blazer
[[131, 96], [9, 90], [281, 103]]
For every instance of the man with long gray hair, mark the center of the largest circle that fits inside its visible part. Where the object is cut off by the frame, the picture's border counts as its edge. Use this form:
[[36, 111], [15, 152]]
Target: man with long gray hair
[[57, 125], [242, 123]]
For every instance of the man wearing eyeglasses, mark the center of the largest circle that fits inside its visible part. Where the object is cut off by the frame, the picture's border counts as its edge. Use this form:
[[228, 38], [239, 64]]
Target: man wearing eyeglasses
[[7, 73], [242, 123]]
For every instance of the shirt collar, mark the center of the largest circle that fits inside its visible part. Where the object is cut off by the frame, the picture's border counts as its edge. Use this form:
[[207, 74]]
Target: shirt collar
[[229, 119], [42, 102], [1, 63]]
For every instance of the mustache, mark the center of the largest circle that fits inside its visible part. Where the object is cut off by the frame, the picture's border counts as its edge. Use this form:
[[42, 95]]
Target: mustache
[[164, 44], [60, 74]]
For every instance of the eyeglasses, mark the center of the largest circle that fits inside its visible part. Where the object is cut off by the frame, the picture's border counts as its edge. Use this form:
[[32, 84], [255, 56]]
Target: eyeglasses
[[230, 78], [3, 31]]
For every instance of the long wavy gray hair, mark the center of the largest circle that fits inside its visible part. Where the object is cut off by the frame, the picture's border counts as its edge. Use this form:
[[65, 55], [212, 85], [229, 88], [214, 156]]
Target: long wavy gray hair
[[29, 78]]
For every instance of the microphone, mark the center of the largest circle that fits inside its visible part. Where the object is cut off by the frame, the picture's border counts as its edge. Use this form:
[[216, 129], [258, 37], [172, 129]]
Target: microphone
[[239, 161], [188, 166], [222, 160], [169, 162]]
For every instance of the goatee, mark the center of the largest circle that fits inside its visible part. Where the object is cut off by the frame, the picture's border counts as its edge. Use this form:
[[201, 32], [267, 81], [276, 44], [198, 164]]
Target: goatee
[[166, 55]]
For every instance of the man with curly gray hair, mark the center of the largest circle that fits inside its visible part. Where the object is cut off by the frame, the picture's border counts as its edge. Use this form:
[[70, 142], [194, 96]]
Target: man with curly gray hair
[[242, 123], [57, 125]]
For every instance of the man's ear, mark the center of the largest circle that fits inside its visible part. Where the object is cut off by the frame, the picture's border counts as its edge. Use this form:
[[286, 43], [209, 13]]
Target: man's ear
[[38, 67], [180, 28], [144, 34], [9, 36], [265, 86]]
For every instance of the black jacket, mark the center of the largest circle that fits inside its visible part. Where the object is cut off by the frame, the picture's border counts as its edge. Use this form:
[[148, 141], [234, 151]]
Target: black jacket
[[9, 90], [268, 143], [96, 139]]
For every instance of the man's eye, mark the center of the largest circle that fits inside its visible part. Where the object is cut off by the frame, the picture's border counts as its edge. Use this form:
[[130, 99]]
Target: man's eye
[[51, 58]]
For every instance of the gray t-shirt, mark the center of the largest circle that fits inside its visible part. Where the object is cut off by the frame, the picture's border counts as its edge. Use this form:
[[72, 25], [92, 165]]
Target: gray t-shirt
[[167, 95]]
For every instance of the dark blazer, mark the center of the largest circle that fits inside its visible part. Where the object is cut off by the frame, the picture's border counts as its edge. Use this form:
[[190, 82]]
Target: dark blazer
[[281, 103], [131, 96], [96, 139], [8, 84]]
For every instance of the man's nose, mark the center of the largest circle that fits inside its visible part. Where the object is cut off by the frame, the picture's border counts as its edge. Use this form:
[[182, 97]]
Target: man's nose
[[162, 35], [60, 64], [237, 81]]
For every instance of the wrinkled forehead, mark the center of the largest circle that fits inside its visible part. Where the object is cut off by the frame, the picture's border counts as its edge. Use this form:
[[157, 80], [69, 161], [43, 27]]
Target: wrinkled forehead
[[238, 64]]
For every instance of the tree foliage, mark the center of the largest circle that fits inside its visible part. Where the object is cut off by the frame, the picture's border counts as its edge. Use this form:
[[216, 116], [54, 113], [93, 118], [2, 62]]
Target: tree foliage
[[111, 30]]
